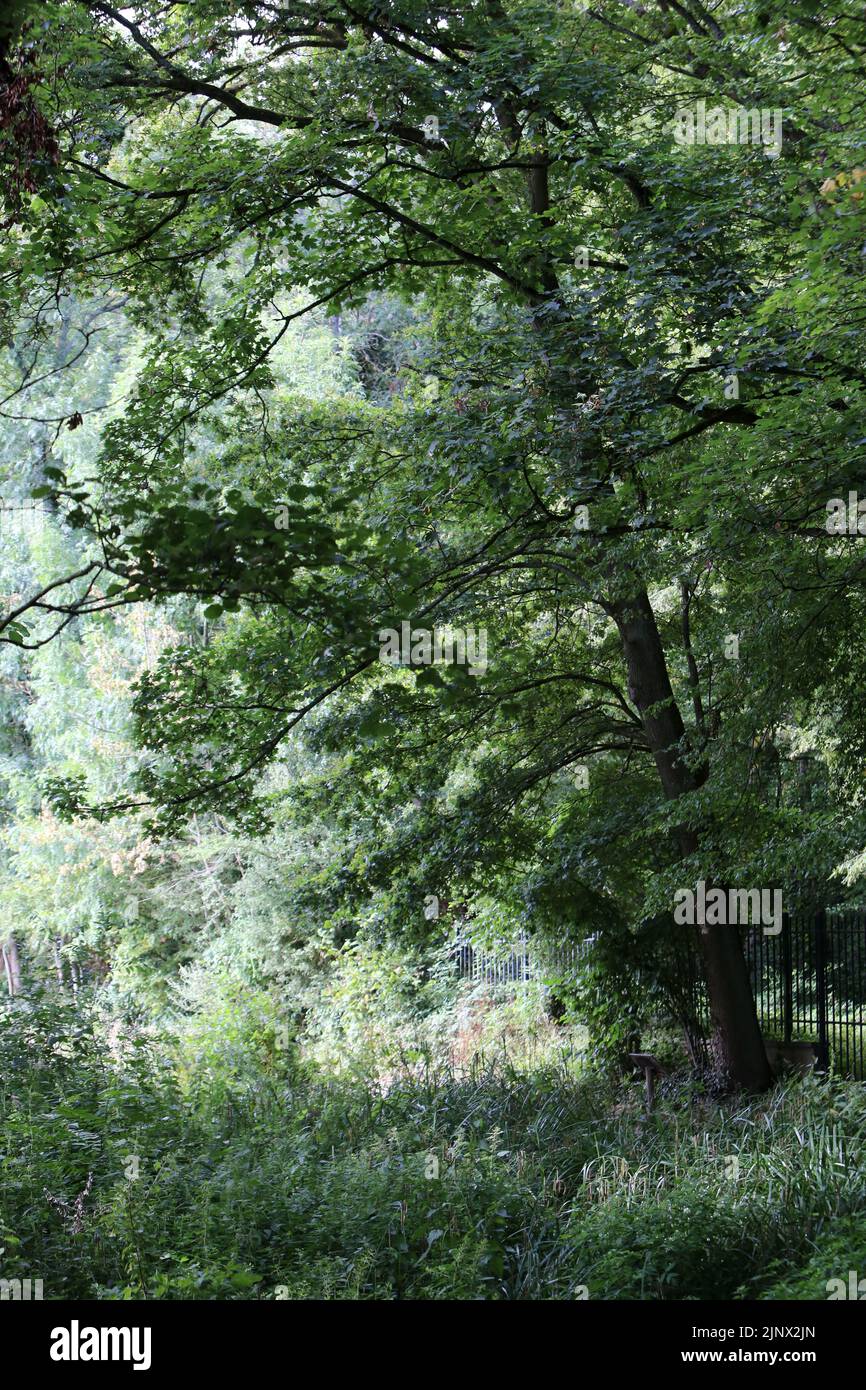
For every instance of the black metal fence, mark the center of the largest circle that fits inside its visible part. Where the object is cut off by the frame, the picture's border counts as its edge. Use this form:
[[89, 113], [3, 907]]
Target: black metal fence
[[809, 983], [809, 980], [516, 963]]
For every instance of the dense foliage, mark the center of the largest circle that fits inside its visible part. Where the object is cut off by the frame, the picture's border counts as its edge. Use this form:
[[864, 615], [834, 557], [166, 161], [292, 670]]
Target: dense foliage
[[247, 1176], [321, 321]]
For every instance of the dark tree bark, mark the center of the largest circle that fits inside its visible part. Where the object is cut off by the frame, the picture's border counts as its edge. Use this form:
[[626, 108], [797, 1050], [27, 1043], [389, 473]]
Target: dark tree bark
[[737, 1043]]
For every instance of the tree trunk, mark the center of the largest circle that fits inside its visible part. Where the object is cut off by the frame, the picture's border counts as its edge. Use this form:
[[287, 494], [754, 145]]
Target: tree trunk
[[12, 966], [737, 1043]]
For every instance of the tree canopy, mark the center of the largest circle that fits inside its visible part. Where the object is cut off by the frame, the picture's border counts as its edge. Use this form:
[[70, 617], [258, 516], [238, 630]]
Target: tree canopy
[[584, 388]]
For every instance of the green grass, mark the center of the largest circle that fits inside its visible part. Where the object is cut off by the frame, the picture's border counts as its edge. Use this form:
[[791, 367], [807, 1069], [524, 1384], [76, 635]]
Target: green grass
[[487, 1183]]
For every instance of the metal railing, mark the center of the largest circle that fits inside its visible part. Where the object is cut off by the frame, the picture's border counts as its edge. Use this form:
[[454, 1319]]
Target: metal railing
[[516, 963], [809, 980], [809, 983]]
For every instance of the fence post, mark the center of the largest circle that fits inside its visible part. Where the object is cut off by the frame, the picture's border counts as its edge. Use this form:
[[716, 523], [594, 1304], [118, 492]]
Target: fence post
[[788, 978], [823, 1060]]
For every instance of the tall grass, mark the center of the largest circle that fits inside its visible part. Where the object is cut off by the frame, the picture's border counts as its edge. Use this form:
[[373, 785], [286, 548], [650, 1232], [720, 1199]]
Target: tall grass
[[481, 1180]]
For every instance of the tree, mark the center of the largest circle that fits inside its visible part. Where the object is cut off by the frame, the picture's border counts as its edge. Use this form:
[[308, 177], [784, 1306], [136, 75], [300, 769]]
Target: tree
[[633, 367]]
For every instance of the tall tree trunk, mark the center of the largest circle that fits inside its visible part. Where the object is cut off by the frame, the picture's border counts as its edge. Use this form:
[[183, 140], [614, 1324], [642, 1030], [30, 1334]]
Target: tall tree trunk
[[737, 1042], [12, 965]]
